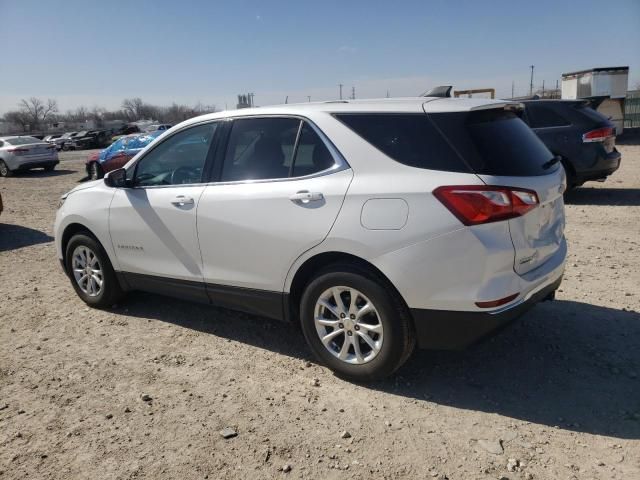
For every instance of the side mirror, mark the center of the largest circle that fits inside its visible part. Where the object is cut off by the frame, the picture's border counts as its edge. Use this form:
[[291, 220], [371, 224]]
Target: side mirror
[[116, 178]]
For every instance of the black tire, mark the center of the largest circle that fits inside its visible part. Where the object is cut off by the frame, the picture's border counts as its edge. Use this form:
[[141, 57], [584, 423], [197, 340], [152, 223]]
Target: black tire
[[49, 168], [95, 171], [571, 177], [4, 170], [399, 338], [110, 292]]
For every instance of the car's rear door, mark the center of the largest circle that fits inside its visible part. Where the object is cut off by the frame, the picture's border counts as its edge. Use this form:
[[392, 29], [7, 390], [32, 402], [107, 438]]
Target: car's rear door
[[277, 191]]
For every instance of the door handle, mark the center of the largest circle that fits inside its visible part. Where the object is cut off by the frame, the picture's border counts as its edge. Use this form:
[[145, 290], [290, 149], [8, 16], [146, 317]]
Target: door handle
[[305, 196], [181, 201]]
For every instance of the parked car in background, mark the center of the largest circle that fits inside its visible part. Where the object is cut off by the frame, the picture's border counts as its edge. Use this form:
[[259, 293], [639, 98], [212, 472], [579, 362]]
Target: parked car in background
[[64, 139], [117, 154], [585, 140], [70, 143], [92, 139], [374, 224], [158, 127], [25, 153], [51, 138]]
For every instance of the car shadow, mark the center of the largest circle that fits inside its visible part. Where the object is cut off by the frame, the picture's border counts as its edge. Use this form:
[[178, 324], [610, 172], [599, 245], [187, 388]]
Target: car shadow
[[17, 236], [626, 197], [42, 173], [564, 364]]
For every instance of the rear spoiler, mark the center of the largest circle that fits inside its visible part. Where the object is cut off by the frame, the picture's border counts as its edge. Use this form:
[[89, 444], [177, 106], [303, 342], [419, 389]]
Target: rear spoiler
[[442, 91]]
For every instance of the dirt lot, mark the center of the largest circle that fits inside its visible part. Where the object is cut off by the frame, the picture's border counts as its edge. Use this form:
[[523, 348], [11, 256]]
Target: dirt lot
[[558, 394]]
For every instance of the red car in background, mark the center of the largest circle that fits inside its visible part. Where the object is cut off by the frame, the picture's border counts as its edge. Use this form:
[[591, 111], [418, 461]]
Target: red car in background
[[118, 153]]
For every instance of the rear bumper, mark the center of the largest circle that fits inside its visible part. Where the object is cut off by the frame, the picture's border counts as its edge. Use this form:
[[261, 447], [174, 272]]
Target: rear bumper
[[36, 164], [448, 330], [602, 168]]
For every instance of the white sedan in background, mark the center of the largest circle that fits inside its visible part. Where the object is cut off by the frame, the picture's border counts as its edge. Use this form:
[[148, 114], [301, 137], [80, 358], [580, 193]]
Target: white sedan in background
[[25, 153]]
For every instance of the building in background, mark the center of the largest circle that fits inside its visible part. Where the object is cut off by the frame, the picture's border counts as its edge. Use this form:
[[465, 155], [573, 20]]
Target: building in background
[[606, 87]]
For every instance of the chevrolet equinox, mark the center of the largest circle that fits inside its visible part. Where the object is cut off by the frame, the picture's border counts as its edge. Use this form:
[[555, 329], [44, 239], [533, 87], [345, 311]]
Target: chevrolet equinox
[[376, 225]]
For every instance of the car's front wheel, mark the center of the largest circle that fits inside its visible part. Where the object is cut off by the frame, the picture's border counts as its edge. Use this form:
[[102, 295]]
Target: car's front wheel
[[355, 325], [91, 273], [95, 172]]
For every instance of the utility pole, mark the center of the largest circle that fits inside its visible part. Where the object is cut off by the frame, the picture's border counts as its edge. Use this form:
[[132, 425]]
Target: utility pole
[[353, 93], [513, 84], [340, 85], [531, 84], [543, 88], [309, 98], [556, 92], [388, 94]]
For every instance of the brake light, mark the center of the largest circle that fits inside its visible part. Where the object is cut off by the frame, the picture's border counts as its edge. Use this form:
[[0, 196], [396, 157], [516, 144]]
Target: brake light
[[477, 204], [599, 134], [18, 150]]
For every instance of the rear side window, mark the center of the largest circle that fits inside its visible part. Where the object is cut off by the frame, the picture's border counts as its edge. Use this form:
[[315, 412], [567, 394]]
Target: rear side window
[[410, 139], [542, 116], [312, 155], [495, 142]]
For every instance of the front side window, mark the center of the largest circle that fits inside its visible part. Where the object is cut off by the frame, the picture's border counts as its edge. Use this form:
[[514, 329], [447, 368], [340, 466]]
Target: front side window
[[178, 160], [260, 149]]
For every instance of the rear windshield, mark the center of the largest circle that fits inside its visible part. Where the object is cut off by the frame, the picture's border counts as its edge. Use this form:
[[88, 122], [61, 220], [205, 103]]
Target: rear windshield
[[592, 114], [496, 142], [489, 142], [22, 140], [410, 139]]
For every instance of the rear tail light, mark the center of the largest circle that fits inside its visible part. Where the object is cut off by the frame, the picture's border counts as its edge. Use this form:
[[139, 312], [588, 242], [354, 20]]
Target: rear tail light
[[477, 204], [599, 134], [18, 151]]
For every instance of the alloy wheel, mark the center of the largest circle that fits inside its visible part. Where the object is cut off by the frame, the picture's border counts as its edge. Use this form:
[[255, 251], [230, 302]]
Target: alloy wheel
[[349, 325], [87, 270]]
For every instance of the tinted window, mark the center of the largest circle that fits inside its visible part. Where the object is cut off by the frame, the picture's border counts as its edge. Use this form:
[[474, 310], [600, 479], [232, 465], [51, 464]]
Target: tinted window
[[178, 160], [259, 149], [411, 139], [312, 155], [495, 142], [541, 116]]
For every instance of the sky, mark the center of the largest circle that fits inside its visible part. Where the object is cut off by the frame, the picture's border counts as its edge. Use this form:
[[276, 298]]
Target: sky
[[82, 52]]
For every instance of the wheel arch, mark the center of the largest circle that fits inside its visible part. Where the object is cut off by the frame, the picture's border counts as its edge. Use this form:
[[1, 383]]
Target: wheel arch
[[311, 266], [71, 230]]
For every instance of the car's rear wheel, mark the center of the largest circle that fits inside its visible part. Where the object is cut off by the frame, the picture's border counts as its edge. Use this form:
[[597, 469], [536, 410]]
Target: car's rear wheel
[[49, 168], [91, 273], [354, 324], [4, 170]]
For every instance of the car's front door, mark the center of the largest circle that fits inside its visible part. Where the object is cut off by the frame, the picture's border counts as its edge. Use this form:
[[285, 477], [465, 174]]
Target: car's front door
[[153, 222], [279, 187]]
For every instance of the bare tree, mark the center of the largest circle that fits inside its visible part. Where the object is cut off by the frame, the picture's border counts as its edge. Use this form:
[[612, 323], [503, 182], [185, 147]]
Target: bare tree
[[38, 111], [17, 117], [133, 108]]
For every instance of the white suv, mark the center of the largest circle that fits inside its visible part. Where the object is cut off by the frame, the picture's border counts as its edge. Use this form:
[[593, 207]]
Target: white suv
[[374, 224]]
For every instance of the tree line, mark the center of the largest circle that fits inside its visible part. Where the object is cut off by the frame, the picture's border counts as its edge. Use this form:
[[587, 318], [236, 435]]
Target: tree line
[[34, 114]]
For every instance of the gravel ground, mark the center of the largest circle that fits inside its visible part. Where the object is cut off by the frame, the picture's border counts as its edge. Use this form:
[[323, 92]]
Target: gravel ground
[[143, 391]]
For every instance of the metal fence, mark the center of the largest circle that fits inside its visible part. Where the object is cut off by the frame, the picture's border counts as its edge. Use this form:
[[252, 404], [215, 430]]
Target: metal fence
[[632, 109]]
